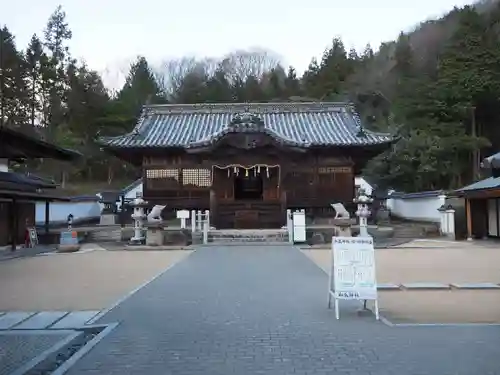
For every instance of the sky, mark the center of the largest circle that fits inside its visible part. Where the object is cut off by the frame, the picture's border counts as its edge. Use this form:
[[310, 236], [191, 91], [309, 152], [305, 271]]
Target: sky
[[109, 34]]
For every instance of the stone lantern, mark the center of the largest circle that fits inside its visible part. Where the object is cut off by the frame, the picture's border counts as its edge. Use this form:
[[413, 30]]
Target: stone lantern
[[139, 217], [363, 211]]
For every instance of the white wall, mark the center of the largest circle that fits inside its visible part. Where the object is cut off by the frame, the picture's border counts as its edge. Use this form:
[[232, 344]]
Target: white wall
[[4, 165], [85, 209], [132, 193], [421, 206], [361, 183], [59, 211]]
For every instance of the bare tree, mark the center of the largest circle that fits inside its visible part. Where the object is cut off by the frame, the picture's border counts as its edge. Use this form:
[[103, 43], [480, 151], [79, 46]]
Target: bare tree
[[241, 64], [171, 73]]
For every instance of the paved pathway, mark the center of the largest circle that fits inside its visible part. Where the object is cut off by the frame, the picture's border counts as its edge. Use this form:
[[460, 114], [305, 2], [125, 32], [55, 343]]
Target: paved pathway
[[257, 310], [16, 320]]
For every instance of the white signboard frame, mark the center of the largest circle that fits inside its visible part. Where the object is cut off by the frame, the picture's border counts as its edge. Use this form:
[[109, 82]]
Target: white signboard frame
[[352, 272], [299, 226]]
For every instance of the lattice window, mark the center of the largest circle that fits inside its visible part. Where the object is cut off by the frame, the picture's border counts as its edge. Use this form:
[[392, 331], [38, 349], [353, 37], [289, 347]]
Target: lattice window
[[196, 177], [328, 170], [162, 179], [162, 173]]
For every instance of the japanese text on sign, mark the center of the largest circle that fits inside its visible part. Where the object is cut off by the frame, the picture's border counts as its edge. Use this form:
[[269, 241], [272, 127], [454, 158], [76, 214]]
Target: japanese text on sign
[[354, 268]]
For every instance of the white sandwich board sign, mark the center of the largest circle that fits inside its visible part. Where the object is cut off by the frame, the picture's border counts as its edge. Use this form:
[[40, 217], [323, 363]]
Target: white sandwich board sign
[[352, 272]]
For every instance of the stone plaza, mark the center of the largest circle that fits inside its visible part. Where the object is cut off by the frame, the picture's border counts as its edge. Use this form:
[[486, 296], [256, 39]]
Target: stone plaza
[[262, 310]]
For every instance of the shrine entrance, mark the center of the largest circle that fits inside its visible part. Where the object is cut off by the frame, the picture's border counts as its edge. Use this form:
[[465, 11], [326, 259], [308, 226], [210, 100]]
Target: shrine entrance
[[249, 187], [247, 197]]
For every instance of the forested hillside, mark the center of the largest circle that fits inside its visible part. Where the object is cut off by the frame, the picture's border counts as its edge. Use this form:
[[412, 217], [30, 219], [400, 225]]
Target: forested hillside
[[437, 87]]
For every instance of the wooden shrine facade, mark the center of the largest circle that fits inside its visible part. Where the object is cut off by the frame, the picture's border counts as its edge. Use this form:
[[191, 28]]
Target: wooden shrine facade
[[247, 190], [482, 202], [245, 172]]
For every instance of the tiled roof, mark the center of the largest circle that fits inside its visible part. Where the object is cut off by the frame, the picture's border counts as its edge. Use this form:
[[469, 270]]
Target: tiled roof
[[18, 180], [16, 144], [302, 124], [492, 161], [488, 183]]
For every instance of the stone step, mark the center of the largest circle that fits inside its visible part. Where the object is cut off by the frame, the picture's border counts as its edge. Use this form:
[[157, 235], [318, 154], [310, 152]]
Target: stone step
[[247, 236], [105, 235]]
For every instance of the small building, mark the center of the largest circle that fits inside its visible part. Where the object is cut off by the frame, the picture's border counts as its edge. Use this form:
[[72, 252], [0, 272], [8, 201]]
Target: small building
[[482, 202], [249, 162], [19, 192]]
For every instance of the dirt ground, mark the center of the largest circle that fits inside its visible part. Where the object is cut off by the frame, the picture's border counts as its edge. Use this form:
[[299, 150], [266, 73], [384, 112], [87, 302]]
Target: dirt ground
[[441, 306], [78, 281], [473, 264], [443, 264]]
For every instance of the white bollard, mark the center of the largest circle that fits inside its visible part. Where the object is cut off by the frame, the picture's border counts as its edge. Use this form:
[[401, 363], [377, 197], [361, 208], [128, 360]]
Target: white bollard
[[193, 221], [199, 219], [207, 218], [442, 220], [205, 230], [450, 217]]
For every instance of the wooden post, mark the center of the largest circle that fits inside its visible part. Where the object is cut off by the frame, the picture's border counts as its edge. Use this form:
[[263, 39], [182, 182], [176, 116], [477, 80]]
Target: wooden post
[[15, 224], [468, 214], [213, 206], [47, 216]]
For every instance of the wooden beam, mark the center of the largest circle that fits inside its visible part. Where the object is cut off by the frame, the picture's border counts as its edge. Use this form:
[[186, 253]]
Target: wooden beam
[[47, 216], [468, 214], [15, 224]]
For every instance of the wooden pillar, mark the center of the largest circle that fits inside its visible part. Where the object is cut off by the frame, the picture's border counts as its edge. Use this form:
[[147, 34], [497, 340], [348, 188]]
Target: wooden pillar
[[47, 216], [15, 224], [213, 207], [468, 214], [282, 193]]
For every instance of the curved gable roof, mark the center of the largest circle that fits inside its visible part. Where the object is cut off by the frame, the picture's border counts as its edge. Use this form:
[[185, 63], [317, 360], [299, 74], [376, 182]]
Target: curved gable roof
[[299, 124]]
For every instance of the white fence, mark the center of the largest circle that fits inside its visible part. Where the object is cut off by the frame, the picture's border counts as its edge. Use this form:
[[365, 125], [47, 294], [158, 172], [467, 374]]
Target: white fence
[[421, 206]]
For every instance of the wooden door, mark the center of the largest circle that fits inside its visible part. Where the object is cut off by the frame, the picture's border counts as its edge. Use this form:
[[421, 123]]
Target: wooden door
[[271, 185]]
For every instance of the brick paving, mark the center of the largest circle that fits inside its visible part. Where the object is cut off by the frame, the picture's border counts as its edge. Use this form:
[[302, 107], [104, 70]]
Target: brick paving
[[262, 310], [18, 348]]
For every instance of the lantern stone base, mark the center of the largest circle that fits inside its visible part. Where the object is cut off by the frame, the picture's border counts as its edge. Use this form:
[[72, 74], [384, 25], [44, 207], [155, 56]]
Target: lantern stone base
[[342, 227], [68, 248], [154, 234], [108, 219], [136, 241]]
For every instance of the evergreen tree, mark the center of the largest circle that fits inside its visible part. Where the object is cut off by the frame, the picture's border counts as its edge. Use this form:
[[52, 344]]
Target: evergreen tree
[[56, 34], [140, 88], [13, 91], [36, 62]]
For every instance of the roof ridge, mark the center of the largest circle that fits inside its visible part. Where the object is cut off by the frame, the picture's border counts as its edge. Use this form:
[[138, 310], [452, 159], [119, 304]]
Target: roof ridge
[[308, 124], [248, 107]]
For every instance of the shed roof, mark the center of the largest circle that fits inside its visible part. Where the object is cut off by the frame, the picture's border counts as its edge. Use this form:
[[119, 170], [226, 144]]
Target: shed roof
[[16, 144], [17, 185], [301, 124], [487, 183]]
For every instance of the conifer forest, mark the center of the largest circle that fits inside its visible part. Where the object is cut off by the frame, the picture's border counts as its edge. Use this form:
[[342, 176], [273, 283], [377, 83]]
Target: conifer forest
[[436, 87]]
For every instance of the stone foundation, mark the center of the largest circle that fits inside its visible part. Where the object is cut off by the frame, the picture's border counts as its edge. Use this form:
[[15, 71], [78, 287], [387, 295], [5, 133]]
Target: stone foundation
[[108, 219], [323, 235], [154, 235]]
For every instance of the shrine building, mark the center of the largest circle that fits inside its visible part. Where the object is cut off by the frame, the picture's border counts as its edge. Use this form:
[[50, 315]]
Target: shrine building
[[19, 191], [249, 162]]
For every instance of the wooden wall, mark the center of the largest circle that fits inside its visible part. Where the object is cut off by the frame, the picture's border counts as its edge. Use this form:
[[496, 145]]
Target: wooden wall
[[25, 214], [308, 180]]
